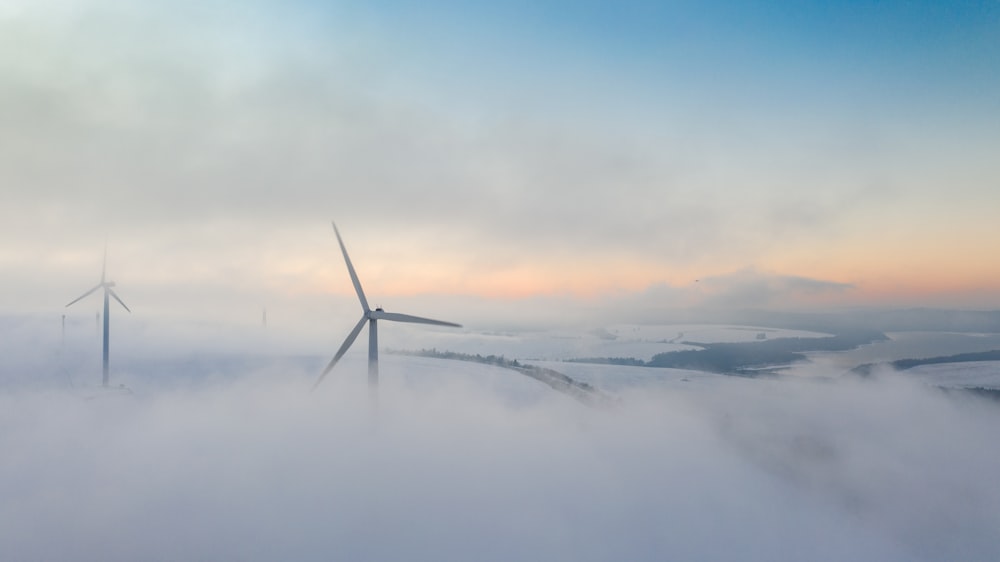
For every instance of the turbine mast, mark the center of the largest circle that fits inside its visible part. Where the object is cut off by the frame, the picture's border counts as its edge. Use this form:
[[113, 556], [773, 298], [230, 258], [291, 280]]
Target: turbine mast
[[373, 360], [373, 353], [109, 293], [107, 331]]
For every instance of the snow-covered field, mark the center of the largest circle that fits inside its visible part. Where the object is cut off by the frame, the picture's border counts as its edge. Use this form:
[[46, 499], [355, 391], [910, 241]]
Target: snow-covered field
[[913, 345], [704, 333], [621, 340], [900, 345]]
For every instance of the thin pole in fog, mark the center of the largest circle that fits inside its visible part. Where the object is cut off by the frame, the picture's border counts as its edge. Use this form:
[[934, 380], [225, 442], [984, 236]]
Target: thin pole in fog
[[109, 291]]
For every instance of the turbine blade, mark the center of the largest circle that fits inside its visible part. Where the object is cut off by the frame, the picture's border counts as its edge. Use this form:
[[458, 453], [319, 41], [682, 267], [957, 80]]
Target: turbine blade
[[350, 269], [396, 317], [96, 287], [114, 294], [104, 264], [343, 349]]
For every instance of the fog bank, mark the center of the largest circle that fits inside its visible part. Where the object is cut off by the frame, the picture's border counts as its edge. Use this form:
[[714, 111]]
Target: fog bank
[[466, 461]]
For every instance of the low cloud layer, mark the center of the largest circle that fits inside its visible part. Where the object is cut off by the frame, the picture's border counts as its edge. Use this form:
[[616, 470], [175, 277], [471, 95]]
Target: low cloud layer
[[464, 461], [752, 288]]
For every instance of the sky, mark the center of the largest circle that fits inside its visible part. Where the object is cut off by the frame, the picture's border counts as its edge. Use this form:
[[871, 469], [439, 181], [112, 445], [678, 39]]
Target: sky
[[569, 155], [524, 162]]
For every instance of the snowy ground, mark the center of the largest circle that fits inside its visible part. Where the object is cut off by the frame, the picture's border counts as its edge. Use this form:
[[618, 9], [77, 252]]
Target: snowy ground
[[621, 340], [912, 345], [900, 345]]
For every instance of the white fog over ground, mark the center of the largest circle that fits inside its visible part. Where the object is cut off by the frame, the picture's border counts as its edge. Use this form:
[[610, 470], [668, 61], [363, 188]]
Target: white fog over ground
[[973, 374], [467, 461]]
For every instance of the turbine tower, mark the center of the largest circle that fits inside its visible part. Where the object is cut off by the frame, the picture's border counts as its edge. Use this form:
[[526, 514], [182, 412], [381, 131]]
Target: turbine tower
[[108, 290], [371, 317]]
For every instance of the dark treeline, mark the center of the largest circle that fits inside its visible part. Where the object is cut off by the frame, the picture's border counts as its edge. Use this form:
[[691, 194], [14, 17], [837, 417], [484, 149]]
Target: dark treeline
[[982, 392], [747, 358], [628, 361], [993, 355], [498, 360], [581, 391], [903, 364]]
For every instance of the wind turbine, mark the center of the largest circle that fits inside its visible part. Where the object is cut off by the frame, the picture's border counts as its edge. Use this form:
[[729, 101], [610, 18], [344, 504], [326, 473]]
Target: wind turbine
[[371, 317], [108, 290]]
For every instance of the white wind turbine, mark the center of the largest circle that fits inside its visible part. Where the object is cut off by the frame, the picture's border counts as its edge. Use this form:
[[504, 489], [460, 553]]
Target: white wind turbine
[[371, 317], [108, 290]]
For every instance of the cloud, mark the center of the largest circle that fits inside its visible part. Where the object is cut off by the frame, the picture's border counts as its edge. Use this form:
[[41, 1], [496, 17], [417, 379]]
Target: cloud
[[200, 133], [718, 298], [466, 461], [189, 115], [751, 288]]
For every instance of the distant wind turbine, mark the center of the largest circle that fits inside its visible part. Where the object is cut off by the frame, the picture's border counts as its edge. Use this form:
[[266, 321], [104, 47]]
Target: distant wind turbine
[[108, 290], [371, 317]]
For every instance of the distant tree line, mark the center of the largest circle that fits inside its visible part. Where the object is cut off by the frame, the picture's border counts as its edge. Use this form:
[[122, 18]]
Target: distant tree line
[[582, 391], [904, 364], [746, 358], [993, 355], [980, 391], [732, 358], [498, 360], [627, 361]]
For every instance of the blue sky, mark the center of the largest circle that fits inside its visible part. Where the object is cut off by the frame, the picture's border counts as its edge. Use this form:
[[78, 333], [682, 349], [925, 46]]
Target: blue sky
[[509, 151]]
